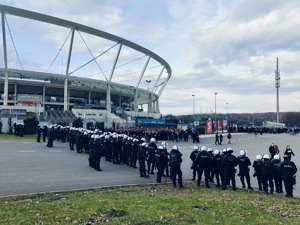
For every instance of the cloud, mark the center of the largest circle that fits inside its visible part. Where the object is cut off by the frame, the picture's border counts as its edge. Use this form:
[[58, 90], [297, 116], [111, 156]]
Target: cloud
[[212, 46]]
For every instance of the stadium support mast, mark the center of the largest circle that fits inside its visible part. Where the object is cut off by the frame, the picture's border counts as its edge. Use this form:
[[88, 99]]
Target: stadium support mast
[[277, 85]]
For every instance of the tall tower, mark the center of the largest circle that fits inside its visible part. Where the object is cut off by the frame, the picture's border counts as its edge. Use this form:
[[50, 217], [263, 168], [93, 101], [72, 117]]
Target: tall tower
[[277, 85]]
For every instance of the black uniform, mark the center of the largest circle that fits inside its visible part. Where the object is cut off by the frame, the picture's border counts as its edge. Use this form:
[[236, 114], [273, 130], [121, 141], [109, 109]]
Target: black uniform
[[159, 163], [244, 163], [134, 153], [267, 176], [150, 160], [288, 170], [193, 157], [38, 133], [257, 165], [45, 128], [276, 175], [203, 162], [218, 169], [175, 163], [98, 148], [142, 155], [229, 162]]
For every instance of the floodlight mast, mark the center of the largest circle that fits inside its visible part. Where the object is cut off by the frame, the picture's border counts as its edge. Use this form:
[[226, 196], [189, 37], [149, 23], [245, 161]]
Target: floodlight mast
[[277, 85]]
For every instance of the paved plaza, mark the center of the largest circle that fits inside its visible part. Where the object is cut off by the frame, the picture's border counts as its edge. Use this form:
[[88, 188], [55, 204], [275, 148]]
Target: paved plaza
[[30, 167]]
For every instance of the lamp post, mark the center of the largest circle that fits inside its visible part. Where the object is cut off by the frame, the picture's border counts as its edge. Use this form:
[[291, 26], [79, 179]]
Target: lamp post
[[216, 124], [193, 109], [148, 81], [226, 110]]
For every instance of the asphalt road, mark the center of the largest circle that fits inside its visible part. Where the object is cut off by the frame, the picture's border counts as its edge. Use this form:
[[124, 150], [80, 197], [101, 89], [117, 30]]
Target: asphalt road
[[30, 167]]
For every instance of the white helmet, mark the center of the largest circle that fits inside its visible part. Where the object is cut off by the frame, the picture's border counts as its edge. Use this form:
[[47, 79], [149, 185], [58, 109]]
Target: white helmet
[[229, 149], [224, 150], [266, 156], [203, 148], [242, 153], [216, 152], [160, 147], [152, 140], [209, 149], [196, 147], [144, 144], [258, 157], [175, 147], [276, 157], [164, 144]]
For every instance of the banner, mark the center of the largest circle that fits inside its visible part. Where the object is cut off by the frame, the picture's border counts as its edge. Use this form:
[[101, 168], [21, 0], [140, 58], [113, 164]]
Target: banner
[[220, 125], [209, 127], [224, 125]]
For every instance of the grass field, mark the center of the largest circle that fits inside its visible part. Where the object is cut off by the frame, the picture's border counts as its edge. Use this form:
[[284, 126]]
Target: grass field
[[152, 204], [14, 137]]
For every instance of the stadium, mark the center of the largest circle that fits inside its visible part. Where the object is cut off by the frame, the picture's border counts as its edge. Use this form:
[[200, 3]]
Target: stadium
[[72, 70]]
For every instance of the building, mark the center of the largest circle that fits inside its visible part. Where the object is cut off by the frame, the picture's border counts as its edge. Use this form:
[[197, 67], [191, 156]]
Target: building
[[124, 75]]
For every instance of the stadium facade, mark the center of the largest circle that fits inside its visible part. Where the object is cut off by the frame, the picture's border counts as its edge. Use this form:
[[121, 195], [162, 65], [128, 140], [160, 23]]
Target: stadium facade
[[126, 78]]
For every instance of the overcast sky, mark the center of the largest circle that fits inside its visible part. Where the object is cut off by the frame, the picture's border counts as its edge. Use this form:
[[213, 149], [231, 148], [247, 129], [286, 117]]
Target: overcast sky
[[229, 47]]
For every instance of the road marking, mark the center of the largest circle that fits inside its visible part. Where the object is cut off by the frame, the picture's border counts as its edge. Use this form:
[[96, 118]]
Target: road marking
[[55, 150], [26, 151]]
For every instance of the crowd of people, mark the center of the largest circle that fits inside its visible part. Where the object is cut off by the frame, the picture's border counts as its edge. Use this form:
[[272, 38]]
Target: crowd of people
[[139, 148], [222, 166]]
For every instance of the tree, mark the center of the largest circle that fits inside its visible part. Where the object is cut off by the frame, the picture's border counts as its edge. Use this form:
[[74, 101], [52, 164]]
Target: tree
[[291, 119], [99, 125], [78, 122], [30, 125], [89, 125]]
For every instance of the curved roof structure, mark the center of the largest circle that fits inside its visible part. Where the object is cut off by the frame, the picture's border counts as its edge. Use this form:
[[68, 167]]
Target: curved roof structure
[[87, 58]]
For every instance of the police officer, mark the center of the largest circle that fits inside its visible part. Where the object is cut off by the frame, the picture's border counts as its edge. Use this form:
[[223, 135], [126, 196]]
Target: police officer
[[159, 162], [217, 167], [229, 162], [276, 175], [257, 165], [288, 171], [267, 174], [45, 128], [203, 162], [107, 149], [193, 157], [166, 160], [244, 163], [134, 152], [72, 138], [50, 134], [38, 133], [175, 163], [98, 148], [92, 151], [142, 155], [151, 152], [211, 172]]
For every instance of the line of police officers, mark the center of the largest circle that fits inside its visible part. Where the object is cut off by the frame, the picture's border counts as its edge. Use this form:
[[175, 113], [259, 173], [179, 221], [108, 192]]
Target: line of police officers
[[219, 165], [222, 167]]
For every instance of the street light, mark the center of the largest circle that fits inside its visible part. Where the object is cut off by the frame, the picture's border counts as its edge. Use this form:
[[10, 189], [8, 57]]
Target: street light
[[216, 124], [193, 108], [148, 81], [226, 110]]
